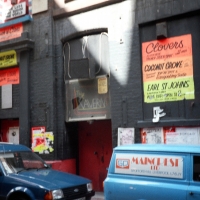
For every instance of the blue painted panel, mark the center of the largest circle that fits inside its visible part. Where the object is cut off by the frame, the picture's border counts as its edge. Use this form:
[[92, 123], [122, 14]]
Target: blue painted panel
[[126, 186], [16, 21]]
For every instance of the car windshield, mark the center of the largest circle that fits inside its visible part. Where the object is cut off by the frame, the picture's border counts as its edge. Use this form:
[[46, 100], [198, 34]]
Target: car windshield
[[17, 162]]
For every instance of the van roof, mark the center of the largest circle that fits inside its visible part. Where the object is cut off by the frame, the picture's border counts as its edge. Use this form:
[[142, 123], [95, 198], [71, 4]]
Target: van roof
[[160, 147], [10, 147]]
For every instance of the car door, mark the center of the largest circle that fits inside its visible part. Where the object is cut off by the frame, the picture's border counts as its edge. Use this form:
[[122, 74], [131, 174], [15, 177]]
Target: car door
[[194, 187]]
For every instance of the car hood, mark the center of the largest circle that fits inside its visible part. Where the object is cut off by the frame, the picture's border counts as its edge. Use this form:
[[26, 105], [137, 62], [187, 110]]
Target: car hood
[[49, 179]]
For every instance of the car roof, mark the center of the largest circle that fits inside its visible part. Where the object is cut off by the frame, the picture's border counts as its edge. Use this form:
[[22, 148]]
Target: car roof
[[10, 147], [160, 148]]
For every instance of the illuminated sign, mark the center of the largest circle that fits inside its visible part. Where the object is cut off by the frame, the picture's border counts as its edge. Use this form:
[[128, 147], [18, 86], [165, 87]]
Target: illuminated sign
[[8, 59]]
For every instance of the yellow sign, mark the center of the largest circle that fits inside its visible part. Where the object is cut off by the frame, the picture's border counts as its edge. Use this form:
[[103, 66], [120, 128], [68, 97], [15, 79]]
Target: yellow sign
[[102, 85], [8, 59]]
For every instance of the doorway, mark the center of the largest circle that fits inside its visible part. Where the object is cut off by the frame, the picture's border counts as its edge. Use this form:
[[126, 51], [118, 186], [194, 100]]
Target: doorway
[[9, 130], [95, 150]]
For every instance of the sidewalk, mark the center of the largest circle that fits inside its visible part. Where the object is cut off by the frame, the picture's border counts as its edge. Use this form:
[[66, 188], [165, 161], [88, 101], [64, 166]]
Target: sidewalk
[[98, 196]]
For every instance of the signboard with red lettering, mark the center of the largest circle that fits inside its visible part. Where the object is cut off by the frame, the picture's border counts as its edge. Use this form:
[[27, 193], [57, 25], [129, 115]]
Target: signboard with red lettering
[[149, 165], [9, 76], [167, 67]]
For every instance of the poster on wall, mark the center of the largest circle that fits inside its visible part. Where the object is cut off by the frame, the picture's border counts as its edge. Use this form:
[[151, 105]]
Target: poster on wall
[[42, 142], [152, 135], [9, 76], [167, 68], [126, 136], [171, 135], [182, 135]]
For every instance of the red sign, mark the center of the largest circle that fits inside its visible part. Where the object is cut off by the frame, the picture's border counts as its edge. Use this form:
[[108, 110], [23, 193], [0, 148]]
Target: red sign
[[9, 76], [11, 32]]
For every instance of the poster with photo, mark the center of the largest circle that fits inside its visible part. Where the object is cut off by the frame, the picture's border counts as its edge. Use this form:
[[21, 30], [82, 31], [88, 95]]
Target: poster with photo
[[126, 136], [152, 135]]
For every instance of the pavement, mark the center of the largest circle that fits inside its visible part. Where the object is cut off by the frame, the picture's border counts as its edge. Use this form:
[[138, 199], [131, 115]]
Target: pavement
[[98, 196]]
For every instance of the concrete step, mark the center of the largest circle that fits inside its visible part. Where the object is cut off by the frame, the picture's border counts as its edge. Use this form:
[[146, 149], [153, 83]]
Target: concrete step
[[98, 196]]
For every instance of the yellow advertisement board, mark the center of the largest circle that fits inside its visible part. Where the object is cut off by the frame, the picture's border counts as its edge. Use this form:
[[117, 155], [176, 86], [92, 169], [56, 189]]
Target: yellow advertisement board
[[8, 59]]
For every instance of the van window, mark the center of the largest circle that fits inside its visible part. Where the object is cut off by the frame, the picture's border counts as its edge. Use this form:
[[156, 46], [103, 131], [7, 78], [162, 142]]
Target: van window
[[196, 168]]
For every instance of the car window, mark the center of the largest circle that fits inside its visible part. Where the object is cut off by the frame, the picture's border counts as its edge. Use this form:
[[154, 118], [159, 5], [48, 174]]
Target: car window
[[21, 161], [196, 168]]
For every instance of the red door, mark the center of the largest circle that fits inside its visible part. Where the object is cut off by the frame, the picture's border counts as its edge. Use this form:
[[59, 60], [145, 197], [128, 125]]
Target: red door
[[95, 150]]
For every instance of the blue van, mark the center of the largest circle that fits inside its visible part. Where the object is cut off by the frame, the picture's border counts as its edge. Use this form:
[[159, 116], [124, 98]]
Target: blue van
[[25, 176], [153, 172]]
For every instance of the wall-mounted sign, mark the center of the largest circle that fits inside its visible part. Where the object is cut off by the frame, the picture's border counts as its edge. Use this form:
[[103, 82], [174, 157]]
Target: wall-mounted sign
[[126, 136], [167, 67], [16, 11], [6, 96], [149, 165], [84, 101], [102, 85], [8, 59], [171, 135], [39, 6], [9, 76], [152, 135], [157, 114], [11, 32], [182, 135]]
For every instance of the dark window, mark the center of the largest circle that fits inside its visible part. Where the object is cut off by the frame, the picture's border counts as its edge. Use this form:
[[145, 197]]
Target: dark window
[[196, 168]]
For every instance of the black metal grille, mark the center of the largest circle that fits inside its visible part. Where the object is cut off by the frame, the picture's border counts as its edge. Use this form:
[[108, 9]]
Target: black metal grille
[[73, 192]]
